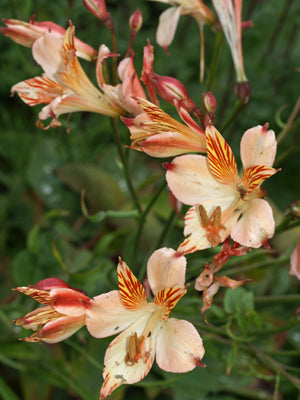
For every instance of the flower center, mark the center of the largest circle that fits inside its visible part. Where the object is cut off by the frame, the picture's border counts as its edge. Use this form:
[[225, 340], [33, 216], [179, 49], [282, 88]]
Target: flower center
[[211, 224]]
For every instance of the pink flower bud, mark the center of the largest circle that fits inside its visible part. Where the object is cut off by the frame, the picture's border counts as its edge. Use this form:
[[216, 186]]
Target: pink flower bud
[[209, 102], [98, 8], [136, 20]]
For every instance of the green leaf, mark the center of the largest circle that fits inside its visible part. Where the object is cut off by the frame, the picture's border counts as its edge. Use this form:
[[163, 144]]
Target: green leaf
[[6, 393]]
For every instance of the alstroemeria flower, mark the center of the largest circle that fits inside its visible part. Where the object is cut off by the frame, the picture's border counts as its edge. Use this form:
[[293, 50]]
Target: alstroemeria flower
[[63, 312], [230, 16], [223, 203], [159, 135], [26, 34], [65, 87], [168, 22], [147, 330]]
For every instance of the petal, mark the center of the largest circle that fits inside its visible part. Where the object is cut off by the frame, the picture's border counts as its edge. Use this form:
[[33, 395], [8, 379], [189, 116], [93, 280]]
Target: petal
[[60, 329], [47, 52], [258, 147], [117, 371], [200, 237], [255, 226], [168, 22], [166, 269], [38, 90], [295, 262], [131, 86], [191, 181], [179, 346], [131, 290], [38, 317], [170, 144], [69, 302], [168, 298], [254, 176], [107, 315], [42, 296], [221, 160]]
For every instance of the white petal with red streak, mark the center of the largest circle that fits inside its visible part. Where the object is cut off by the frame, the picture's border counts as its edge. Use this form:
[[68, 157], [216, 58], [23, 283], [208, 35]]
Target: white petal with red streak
[[179, 346], [258, 147], [116, 371], [168, 22], [192, 183], [107, 315], [255, 226], [166, 269]]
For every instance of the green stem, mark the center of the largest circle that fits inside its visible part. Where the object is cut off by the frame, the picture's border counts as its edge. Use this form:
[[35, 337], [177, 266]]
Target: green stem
[[125, 165], [237, 108], [214, 61], [260, 264], [279, 299], [85, 354], [289, 123], [167, 227], [142, 219]]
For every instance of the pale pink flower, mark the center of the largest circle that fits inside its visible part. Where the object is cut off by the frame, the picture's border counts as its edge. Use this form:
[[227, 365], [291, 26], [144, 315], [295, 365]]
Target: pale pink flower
[[26, 34], [62, 315], [66, 88], [147, 332], [168, 22], [295, 262], [223, 203], [159, 135]]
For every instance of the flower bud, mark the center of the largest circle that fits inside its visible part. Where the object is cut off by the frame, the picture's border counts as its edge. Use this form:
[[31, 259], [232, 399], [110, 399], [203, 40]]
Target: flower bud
[[242, 91], [136, 20], [98, 8], [209, 102]]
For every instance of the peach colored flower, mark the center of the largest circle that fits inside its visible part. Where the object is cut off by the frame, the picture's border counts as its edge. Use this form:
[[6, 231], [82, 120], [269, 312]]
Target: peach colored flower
[[223, 203], [65, 87], [62, 315], [147, 330], [159, 135], [26, 34]]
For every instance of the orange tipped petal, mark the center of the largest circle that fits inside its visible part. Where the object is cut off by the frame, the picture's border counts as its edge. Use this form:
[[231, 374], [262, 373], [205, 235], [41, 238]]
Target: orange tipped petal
[[131, 290], [254, 176], [221, 160]]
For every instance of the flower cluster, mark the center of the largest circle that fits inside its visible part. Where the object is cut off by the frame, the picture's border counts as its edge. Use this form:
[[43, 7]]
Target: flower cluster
[[224, 204]]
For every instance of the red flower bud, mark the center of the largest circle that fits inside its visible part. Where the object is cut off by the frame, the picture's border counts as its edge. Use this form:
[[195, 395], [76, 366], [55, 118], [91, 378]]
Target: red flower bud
[[136, 20]]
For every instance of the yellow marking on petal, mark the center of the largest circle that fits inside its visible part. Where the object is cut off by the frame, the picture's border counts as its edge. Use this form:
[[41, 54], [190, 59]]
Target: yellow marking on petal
[[131, 290], [39, 316], [254, 176], [221, 160], [161, 121], [42, 296], [168, 298]]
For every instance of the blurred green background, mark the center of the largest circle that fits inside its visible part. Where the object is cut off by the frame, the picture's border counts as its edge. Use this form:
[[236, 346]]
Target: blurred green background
[[253, 346]]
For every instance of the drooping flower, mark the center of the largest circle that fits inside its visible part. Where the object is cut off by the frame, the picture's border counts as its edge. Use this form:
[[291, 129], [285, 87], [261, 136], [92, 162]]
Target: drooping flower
[[168, 22], [62, 313], [159, 135], [223, 203], [147, 330], [230, 16], [26, 34], [65, 87]]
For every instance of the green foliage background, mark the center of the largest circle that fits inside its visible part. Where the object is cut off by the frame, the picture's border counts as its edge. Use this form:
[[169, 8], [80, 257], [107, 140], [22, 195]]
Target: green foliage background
[[253, 346]]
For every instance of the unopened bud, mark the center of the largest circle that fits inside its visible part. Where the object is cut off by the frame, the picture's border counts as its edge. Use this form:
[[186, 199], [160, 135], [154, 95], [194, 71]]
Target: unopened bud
[[242, 91], [98, 8], [209, 102], [136, 21]]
